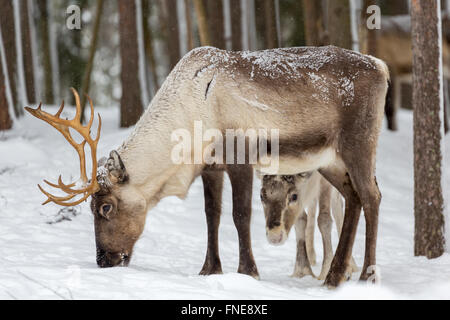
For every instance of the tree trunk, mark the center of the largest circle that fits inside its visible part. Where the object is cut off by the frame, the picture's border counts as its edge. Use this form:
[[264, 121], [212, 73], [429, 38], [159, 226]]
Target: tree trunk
[[429, 238], [200, 11], [313, 16], [27, 51], [367, 37], [131, 103], [148, 43], [236, 25], [190, 33], [271, 36], [5, 118], [45, 51], [87, 73], [173, 36], [396, 7], [216, 23], [9, 44], [339, 23]]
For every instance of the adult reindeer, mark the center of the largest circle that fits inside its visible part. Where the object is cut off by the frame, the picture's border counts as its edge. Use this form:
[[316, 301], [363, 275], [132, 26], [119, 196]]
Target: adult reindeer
[[327, 103]]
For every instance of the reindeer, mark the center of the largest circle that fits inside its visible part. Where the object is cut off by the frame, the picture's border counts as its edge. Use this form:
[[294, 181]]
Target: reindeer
[[286, 199], [326, 102]]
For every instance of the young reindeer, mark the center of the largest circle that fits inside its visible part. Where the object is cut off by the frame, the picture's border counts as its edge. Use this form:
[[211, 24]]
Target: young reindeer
[[327, 104], [285, 199]]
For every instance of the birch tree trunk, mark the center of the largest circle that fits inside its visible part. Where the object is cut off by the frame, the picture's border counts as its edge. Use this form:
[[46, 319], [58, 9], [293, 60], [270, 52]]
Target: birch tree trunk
[[428, 129], [339, 23], [131, 103]]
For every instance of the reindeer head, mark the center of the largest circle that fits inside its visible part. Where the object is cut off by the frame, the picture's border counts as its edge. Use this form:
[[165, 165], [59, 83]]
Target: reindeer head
[[281, 196], [119, 210]]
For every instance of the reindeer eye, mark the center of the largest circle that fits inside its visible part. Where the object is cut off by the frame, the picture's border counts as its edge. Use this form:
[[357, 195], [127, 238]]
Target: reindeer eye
[[105, 210], [294, 198]]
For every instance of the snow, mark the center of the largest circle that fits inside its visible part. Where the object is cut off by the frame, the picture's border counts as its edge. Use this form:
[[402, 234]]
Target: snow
[[46, 259]]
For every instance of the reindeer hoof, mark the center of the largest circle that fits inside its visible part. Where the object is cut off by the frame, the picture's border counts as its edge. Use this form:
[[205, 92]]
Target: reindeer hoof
[[299, 273], [209, 269], [250, 271], [334, 279]]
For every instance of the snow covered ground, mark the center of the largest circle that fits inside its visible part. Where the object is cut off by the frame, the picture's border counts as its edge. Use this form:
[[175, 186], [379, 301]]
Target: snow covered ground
[[41, 260]]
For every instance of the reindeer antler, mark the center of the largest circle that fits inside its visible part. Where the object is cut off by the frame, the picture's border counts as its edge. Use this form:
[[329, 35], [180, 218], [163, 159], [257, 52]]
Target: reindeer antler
[[63, 126]]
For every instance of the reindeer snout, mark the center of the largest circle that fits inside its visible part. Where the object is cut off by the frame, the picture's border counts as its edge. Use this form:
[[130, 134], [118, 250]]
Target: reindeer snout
[[276, 236], [108, 259]]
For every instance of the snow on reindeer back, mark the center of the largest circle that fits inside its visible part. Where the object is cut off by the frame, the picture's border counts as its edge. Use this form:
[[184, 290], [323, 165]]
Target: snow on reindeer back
[[323, 68]]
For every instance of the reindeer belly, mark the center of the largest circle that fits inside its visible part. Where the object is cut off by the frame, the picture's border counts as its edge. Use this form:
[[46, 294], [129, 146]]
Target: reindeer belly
[[290, 164]]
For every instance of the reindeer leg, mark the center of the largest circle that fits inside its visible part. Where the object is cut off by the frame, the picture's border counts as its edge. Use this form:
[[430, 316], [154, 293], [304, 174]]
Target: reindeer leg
[[241, 177], [212, 186], [302, 263], [325, 223], [340, 179], [337, 209]]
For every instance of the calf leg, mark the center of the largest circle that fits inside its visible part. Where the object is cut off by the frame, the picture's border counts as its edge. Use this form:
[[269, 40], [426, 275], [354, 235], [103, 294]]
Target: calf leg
[[325, 223], [302, 264], [241, 177], [212, 186], [310, 226]]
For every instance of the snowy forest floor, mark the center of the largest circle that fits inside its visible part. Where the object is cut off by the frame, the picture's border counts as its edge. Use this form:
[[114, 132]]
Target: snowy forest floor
[[42, 260]]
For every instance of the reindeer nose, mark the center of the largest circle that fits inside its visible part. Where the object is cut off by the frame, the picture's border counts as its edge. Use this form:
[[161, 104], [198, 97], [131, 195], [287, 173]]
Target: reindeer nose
[[273, 224]]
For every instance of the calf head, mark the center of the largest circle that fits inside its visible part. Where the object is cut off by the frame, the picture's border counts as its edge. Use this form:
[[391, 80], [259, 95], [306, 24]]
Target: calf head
[[281, 196]]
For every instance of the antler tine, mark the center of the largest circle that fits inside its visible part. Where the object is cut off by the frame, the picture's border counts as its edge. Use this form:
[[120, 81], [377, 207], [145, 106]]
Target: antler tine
[[61, 108], [91, 119], [77, 104], [63, 126]]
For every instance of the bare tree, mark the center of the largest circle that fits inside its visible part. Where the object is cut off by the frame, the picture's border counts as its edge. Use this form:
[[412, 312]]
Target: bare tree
[[200, 11], [314, 24], [215, 20], [339, 23], [45, 50], [94, 40], [236, 26], [190, 33], [27, 51], [429, 238], [9, 43], [148, 43], [5, 117], [271, 35], [171, 31], [131, 103]]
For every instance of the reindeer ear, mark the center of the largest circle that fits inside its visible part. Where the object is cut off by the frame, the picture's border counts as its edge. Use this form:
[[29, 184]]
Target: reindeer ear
[[116, 168]]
